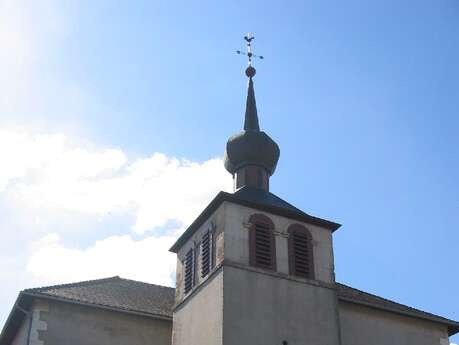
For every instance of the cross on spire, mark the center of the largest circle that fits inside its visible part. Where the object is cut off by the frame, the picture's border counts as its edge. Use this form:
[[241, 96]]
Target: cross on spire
[[249, 38]]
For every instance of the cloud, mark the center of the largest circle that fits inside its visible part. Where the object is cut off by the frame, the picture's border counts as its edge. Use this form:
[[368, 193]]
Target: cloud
[[145, 260], [49, 173], [51, 176], [49, 157], [64, 190]]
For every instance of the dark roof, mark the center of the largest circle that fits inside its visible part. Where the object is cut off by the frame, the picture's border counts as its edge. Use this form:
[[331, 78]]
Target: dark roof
[[254, 198], [156, 301], [251, 146], [114, 292]]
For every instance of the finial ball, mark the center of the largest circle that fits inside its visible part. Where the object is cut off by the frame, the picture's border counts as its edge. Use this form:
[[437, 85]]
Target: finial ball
[[250, 71]]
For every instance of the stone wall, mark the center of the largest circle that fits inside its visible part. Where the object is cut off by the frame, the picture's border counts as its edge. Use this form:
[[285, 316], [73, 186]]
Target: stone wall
[[73, 324], [199, 319], [21, 335], [215, 223], [262, 309], [362, 325], [237, 241]]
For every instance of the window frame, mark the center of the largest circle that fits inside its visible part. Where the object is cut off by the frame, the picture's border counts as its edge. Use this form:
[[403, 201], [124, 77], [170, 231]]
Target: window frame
[[210, 254], [292, 229], [265, 221]]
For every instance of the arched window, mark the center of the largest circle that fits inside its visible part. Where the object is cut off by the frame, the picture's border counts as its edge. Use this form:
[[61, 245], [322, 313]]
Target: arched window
[[300, 253], [261, 242]]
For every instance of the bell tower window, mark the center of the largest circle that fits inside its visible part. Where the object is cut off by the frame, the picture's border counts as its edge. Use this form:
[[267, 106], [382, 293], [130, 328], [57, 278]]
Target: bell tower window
[[207, 249], [300, 252], [262, 243], [189, 271]]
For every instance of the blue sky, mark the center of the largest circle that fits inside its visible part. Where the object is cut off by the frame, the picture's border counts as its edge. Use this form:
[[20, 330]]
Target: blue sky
[[104, 106]]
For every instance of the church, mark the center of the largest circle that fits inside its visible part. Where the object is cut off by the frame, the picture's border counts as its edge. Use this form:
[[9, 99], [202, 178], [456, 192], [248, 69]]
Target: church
[[251, 269]]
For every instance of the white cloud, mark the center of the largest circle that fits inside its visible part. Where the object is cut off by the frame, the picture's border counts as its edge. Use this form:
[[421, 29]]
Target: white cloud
[[145, 260], [50, 184], [49, 157], [49, 173]]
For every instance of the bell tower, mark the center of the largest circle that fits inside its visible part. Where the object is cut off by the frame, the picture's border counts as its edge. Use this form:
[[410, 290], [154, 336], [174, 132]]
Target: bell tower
[[252, 268]]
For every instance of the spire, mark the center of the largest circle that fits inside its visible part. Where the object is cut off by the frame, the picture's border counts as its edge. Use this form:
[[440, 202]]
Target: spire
[[251, 116], [251, 155]]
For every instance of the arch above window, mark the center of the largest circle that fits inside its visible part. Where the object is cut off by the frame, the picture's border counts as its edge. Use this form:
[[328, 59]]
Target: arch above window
[[262, 246], [300, 252]]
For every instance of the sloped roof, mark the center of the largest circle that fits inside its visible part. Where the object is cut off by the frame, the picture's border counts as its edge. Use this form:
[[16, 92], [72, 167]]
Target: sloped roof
[[115, 292], [261, 197], [349, 294], [156, 301], [258, 199]]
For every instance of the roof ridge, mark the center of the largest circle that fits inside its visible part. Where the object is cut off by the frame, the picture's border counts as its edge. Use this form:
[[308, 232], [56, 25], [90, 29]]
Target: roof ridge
[[146, 283], [75, 284], [397, 303], [101, 304]]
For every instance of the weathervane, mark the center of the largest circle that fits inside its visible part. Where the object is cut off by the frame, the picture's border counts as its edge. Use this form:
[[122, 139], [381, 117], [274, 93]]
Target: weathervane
[[249, 53]]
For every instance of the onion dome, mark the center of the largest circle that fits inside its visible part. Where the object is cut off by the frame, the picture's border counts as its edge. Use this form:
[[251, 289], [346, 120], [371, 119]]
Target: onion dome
[[251, 147]]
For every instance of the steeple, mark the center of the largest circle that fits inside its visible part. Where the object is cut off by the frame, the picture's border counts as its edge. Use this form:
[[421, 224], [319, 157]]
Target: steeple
[[251, 155], [251, 115]]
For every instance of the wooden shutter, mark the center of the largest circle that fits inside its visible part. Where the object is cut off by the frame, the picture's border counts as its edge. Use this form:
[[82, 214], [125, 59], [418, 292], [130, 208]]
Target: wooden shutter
[[300, 252], [189, 271], [206, 254], [262, 244]]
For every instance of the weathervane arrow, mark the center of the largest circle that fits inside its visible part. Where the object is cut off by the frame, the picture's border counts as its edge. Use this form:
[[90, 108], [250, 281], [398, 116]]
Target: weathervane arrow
[[249, 38]]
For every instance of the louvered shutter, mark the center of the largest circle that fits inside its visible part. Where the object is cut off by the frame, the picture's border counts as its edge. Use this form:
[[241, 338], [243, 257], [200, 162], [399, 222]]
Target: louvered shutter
[[206, 254], [189, 271], [263, 246], [300, 253]]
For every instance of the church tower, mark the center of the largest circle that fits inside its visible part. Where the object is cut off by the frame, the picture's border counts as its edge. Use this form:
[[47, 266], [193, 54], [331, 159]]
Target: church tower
[[252, 269]]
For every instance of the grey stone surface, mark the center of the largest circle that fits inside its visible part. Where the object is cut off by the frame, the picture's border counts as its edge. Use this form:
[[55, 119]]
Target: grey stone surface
[[199, 320], [39, 324], [217, 222], [262, 309], [361, 325], [21, 335], [240, 305], [73, 324], [236, 237]]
